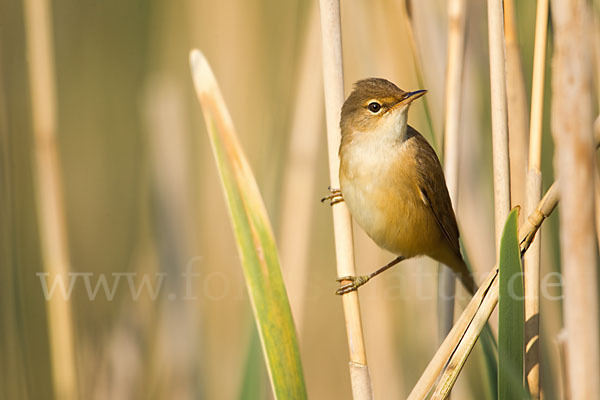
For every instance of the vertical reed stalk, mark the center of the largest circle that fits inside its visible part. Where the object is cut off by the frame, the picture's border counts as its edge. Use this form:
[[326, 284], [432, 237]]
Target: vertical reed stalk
[[531, 262], [454, 75], [574, 163], [49, 196], [518, 118], [499, 122], [416, 56], [300, 175], [333, 79], [176, 322], [561, 343], [597, 180], [597, 202]]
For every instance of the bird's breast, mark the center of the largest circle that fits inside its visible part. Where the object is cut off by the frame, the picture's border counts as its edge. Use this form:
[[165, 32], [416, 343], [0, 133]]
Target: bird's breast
[[381, 191]]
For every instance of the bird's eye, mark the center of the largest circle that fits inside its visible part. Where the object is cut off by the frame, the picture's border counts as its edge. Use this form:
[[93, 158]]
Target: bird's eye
[[374, 107]]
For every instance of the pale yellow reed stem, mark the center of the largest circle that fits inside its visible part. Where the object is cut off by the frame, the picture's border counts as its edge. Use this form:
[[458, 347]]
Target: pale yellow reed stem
[[298, 193], [499, 121], [333, 79], [49, 196], [454, 74], [572, 121], [531, 261], [597, 181], [518, 117]]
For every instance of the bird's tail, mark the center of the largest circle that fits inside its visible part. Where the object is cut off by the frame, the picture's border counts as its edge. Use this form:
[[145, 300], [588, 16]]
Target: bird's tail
[[465, 276]]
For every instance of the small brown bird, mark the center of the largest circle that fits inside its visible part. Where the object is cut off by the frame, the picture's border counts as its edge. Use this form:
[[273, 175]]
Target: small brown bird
[[393, 183]]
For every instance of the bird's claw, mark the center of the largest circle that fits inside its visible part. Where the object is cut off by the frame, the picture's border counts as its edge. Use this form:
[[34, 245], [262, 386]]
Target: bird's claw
[[335, 196], [354, 283]]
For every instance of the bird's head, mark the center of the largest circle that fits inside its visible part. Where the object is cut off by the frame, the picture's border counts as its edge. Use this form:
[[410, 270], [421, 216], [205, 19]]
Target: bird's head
[[376, 104]]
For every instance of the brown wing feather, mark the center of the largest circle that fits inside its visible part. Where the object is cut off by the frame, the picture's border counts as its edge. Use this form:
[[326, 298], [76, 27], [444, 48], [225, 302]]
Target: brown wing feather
[[434, 192]]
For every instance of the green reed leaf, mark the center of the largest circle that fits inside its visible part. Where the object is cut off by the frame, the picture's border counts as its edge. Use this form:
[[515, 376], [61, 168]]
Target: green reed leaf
[[254, 238]]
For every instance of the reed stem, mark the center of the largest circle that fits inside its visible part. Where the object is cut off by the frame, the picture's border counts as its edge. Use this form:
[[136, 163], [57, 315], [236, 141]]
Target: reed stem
[[454, 75], [499, 118], [467, 342], [49, 195], [416, 56], [531, 261], [518, 117], [298, 193], [527, 233], [333, 79], [572, 122]]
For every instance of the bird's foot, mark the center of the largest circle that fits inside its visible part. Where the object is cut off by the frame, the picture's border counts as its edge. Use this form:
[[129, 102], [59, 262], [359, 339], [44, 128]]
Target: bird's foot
[[335, 197], [354, 283]]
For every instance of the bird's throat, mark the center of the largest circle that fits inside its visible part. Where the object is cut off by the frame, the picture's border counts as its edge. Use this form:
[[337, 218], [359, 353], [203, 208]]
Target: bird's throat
[[394, 126]]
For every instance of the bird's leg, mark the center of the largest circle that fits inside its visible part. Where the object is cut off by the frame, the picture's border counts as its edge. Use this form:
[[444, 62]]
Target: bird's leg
[[357, 281], [335, 196]]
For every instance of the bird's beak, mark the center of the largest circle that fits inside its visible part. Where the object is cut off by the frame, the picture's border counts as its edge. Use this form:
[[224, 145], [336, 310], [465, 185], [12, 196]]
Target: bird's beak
[[412, 96], [409, 98]]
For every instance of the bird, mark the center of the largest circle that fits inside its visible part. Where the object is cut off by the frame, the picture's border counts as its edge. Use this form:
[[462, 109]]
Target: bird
[[393, 182]]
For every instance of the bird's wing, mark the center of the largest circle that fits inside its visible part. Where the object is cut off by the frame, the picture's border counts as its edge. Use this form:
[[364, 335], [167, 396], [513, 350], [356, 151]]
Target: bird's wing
[[445, 223], [434, 193]]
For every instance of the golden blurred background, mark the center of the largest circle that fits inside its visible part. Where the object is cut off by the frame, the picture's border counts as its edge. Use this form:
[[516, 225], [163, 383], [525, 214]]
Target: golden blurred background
[[143, 202]]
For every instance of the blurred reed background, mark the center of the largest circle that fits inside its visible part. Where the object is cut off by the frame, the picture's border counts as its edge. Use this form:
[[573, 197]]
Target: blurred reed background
[[141, 195]]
